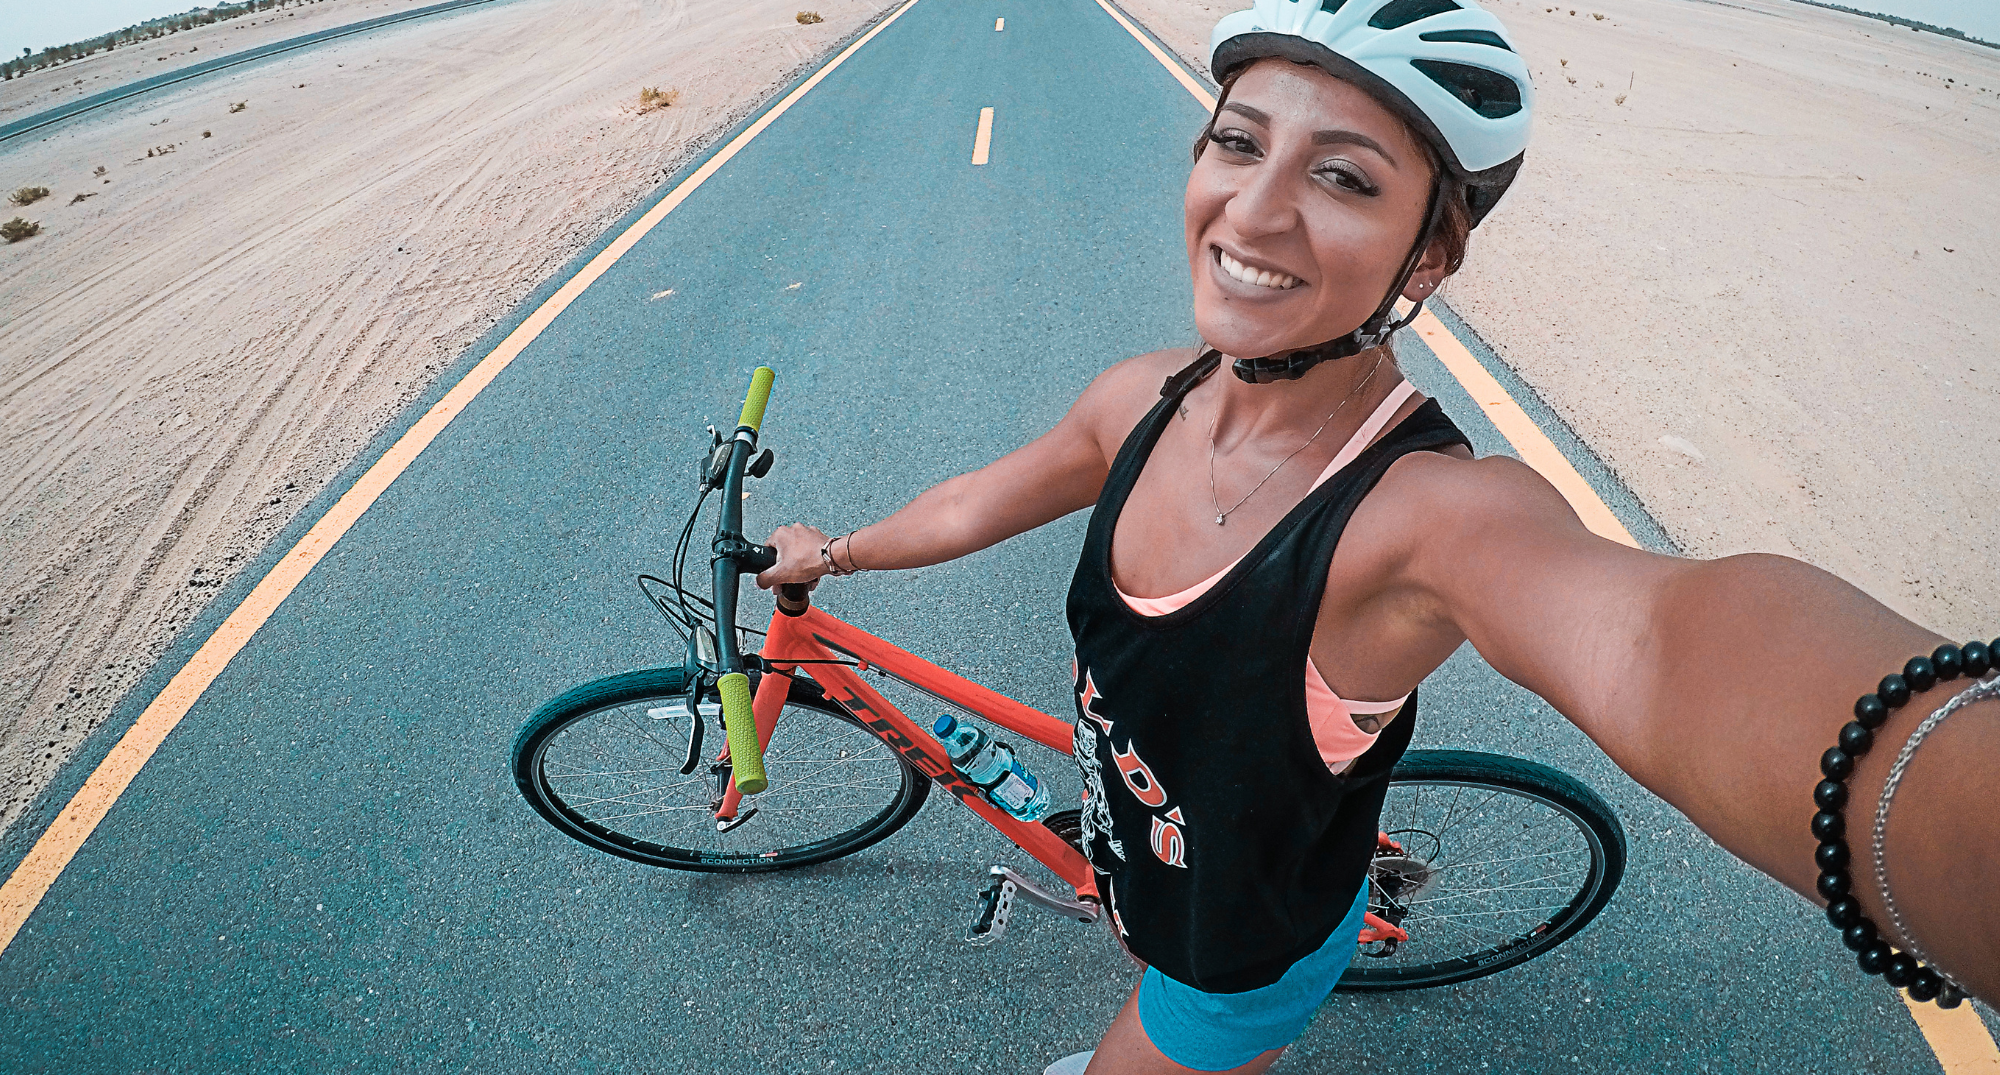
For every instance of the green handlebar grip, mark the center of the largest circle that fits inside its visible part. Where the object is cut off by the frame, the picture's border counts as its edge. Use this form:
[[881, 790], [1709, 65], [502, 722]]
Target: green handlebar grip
[[760, 394], [746, 754]]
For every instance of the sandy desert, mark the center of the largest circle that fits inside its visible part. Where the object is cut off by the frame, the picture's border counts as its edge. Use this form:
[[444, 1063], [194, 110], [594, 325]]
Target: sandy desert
[[1751, 261], [190, 353]]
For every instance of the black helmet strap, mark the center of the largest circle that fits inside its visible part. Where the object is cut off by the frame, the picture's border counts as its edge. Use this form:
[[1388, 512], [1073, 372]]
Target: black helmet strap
[[1374, 332]]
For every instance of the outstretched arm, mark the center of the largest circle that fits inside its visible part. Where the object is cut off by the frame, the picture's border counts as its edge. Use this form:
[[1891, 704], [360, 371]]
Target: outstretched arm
[[1058, 473], [1718, 685]]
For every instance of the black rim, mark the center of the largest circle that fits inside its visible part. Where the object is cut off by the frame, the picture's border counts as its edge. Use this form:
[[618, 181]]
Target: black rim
[[792, 778], [1471, 897]]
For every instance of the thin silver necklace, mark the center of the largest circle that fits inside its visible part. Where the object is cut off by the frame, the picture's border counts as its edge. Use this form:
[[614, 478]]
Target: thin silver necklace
[[1222, 516]]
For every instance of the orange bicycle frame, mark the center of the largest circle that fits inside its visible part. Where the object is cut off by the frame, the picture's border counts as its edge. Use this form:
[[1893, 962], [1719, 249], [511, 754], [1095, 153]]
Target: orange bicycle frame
[[823, 646]]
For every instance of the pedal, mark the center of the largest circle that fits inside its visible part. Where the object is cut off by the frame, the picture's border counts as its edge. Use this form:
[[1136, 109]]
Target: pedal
[[996, 903]]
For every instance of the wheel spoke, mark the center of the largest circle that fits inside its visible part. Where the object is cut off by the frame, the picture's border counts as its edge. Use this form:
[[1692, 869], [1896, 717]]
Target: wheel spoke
[[619, 769], [1493, 865]]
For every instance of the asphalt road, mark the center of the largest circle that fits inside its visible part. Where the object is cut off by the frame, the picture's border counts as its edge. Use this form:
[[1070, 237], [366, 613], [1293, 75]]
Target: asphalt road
[[130, 90], [326, 867]]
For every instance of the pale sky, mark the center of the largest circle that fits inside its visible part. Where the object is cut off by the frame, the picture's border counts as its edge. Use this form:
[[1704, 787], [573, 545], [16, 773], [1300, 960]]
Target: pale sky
[[40, 24], [37, 24], [1980, 18]]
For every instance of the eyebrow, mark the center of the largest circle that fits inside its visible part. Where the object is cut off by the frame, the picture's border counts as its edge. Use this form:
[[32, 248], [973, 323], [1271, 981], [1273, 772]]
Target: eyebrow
[[1319, 138]]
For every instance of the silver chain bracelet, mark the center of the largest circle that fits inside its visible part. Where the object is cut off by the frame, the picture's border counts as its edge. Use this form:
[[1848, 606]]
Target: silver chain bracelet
[[1988, 688]]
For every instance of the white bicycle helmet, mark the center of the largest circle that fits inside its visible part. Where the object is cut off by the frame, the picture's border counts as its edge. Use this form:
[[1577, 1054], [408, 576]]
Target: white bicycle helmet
[[1445, 67]]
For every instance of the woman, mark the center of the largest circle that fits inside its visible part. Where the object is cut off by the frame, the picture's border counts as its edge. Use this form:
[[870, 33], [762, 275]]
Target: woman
[[1285, 544]]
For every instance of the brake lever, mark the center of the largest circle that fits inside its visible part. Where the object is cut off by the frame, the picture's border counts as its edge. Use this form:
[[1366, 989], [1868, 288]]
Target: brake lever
[[694, 733]]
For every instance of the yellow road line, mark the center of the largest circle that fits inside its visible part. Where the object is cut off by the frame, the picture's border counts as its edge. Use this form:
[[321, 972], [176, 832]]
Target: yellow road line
[[45, 861], [999, 25], [983, 140], [1200, 92], [1528, 440], [1962, 1043], [1534, 446]]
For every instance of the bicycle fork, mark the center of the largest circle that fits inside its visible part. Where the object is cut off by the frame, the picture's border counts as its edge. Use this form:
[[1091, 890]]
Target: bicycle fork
[[996, 904]]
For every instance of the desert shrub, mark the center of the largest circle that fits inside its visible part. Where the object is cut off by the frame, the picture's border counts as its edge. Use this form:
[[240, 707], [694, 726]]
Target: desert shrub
[[807, 18], [651, 98], [239, 106], [206, 134], [98, 171], [17, 229], [28, 195]]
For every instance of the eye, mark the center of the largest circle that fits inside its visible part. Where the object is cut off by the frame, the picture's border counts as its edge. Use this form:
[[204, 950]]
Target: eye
[[1348, 177], [1234, 141]]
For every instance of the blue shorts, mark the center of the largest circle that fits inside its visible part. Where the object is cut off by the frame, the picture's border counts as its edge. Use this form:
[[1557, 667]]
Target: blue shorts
[[1220, 1031]]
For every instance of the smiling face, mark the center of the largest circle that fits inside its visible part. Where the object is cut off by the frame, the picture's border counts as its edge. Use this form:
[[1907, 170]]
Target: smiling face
[[1301, 211]]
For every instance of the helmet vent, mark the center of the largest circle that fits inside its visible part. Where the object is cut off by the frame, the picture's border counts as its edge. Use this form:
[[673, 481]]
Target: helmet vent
[[1488, 93], [1331, 6], [1404, 12], [1470, 37]]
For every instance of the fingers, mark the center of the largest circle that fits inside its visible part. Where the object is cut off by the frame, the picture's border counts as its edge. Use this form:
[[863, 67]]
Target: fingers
[[798, 548]]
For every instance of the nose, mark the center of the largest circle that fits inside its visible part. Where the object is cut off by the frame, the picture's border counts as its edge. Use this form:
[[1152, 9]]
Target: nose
[[1263, 204]]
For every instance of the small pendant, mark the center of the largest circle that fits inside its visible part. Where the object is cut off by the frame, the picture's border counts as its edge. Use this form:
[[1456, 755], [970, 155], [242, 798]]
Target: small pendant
[[1218, 520]]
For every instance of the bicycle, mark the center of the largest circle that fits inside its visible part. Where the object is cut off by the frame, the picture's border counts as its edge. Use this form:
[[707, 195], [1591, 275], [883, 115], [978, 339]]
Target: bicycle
[[1485, 861]]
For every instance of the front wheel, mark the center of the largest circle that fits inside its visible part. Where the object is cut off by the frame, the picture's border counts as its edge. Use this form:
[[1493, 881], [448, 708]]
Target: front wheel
[[602, 762], [1500, 860]]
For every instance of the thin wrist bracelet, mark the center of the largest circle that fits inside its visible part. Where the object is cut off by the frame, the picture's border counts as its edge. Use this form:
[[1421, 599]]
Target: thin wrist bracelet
[[1911, 969], [826, 559], [853, 565]]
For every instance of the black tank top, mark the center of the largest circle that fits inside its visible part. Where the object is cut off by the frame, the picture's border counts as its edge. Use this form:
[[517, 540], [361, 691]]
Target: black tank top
[[1226, 850]]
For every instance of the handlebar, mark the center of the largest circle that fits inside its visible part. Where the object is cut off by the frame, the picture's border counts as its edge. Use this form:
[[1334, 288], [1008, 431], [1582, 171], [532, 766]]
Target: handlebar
[[733, 558]]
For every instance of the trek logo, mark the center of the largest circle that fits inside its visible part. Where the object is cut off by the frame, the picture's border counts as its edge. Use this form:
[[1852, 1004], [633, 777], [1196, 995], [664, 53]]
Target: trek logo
[[1169, 830], [938, 771]]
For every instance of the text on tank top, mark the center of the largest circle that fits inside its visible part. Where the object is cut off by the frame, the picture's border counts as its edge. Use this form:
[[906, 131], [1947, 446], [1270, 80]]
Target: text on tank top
[[1226, 851]]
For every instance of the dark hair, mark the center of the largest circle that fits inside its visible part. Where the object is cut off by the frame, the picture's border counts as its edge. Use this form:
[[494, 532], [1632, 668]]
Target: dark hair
[[1454, 226]]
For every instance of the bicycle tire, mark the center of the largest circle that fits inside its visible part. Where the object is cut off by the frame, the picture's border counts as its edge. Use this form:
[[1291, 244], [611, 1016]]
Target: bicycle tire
[[530, 755], [1561, 795]]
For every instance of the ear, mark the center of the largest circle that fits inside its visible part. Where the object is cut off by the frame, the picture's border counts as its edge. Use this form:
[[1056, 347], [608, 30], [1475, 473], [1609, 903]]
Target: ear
[[1428, 275]]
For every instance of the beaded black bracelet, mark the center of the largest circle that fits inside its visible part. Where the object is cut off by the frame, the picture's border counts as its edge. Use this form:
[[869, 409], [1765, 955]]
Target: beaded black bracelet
[[1829, 826]]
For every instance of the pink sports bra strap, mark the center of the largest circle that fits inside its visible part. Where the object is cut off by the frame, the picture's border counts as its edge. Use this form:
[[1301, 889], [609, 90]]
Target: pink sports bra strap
[[1369, 430], [1362, 438]]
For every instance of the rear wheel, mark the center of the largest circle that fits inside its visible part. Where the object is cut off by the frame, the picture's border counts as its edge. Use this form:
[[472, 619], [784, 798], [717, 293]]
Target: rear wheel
[[602, 764], [1501, 860]]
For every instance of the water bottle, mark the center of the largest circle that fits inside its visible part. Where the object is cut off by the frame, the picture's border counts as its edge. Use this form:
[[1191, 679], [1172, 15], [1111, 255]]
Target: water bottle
[[992, 767]]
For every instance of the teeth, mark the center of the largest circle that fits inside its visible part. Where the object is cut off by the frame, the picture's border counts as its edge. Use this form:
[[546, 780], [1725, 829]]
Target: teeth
[[1276, 281]]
